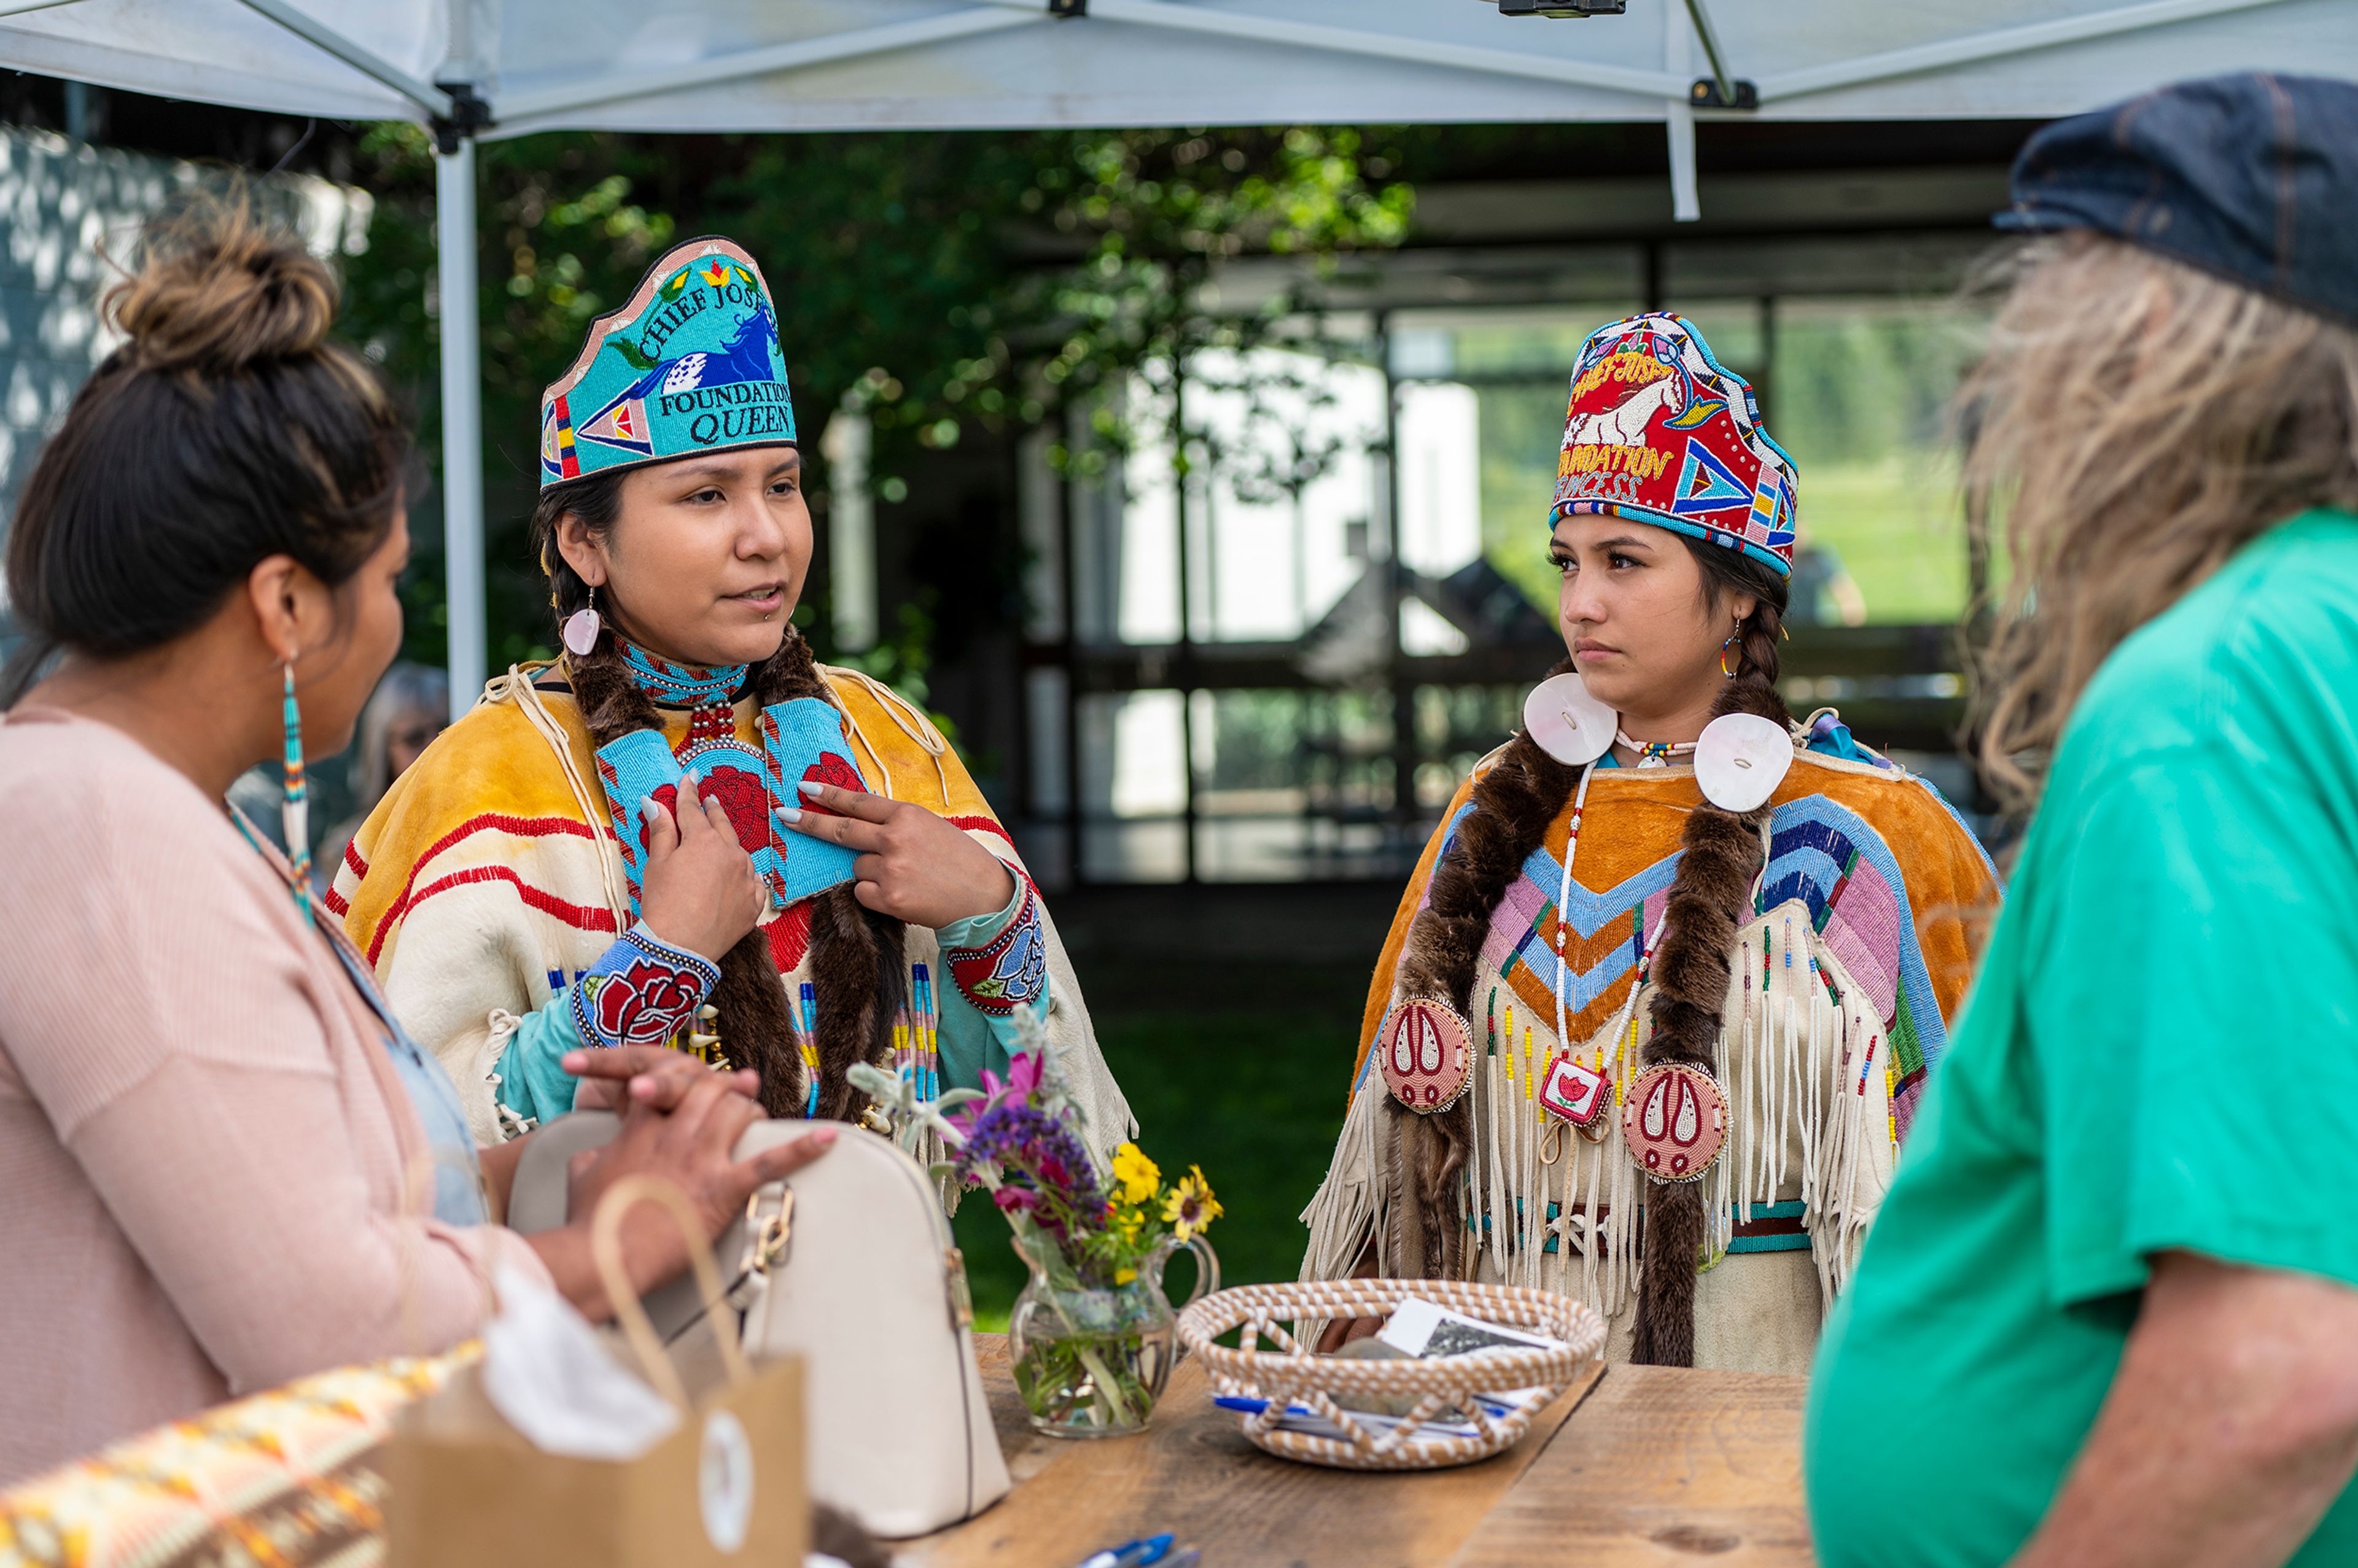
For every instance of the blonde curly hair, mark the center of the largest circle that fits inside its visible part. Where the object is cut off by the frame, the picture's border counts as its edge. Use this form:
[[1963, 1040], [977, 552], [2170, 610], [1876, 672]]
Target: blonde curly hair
[[2133, 423]]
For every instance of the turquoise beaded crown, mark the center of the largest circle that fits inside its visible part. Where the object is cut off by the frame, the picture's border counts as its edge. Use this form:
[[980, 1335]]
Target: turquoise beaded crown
[[691, 364]]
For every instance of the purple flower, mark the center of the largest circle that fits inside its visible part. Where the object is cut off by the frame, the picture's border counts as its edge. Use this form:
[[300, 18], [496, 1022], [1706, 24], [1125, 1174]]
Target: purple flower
[[1033, 1152]]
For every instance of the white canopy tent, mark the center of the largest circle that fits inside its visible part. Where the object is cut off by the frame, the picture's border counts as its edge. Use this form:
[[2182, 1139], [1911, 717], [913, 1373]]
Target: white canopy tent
[[477, 68]]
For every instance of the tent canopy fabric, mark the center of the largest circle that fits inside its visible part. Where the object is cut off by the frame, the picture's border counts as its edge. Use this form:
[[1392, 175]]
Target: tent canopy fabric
[[788, 65], [502, 68]]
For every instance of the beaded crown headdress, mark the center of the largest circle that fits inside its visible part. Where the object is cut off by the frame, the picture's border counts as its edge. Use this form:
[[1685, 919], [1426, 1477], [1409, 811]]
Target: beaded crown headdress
[[690, 364], [1658, 432]]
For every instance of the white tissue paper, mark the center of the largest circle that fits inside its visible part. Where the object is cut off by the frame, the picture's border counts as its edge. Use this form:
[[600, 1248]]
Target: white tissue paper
[[549, 1374]]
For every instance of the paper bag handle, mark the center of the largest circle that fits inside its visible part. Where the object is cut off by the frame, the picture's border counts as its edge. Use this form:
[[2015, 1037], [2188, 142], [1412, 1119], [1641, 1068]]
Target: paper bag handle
[[606, 1251]]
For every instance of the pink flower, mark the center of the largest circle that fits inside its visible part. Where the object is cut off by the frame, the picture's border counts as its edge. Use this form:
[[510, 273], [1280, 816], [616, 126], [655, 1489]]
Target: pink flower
[[1022, 1082], [1013, 1198]]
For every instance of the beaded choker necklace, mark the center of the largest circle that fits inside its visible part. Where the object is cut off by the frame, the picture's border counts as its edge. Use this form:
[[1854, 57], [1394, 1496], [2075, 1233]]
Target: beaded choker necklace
[[1655, 753], [681, 686]]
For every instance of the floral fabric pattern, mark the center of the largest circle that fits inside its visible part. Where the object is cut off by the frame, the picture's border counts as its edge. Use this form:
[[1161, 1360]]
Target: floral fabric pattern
[[644, 991], [1012, 970]]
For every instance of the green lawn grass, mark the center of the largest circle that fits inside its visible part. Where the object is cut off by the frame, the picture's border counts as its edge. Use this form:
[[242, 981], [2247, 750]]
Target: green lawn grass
[[1898, 526], [1247, 1081]]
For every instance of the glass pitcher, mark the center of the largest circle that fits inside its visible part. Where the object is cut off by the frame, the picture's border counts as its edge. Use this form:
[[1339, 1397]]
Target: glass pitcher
[[1090, 1361]]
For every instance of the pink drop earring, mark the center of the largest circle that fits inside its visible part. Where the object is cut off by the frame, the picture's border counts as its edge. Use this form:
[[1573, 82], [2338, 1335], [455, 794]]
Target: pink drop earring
[[581, 627]]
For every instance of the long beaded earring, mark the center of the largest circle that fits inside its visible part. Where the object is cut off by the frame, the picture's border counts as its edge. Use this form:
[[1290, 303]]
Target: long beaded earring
[[1733, 645], [294, 808]]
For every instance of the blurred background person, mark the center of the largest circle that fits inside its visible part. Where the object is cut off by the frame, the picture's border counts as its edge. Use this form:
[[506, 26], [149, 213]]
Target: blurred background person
[[410, 706]]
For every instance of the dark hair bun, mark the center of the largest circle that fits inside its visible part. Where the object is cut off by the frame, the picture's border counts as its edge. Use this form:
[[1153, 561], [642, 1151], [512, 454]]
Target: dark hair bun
[[227, 428], [218, 293]]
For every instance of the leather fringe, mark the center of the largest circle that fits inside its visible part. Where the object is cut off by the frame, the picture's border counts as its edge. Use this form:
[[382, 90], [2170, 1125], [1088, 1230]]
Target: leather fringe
[[1709, 898], [856, 953]]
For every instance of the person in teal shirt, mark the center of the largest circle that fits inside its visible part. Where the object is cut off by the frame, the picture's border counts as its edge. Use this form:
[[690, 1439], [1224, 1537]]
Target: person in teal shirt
[[2109, 1313]]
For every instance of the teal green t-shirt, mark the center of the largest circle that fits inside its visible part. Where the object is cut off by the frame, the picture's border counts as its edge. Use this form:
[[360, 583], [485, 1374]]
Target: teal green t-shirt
[[2160, 1053]]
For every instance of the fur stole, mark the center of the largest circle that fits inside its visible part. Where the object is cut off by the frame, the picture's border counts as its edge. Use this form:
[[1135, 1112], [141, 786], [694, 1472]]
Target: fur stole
[[1709, 899], [1513, 804], [856, 953]]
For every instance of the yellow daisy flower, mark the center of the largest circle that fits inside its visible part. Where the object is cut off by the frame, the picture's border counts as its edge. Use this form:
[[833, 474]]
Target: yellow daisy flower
[[1138, 1174], [1191, 1206]]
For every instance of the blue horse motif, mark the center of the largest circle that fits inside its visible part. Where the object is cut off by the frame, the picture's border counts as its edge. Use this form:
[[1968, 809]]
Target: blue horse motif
[[745, 356]]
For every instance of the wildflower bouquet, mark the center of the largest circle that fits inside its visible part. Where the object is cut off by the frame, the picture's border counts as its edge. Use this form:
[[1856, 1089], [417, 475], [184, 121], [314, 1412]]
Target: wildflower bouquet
[[1091, 1337]]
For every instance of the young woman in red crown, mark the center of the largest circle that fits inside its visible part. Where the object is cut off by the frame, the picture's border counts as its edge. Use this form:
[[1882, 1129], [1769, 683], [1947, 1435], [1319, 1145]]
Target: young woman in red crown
[[1660, 999]]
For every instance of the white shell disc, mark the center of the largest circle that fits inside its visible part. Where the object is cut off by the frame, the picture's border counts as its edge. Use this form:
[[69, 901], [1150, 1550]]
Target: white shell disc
[[1740, 759], [1567, 723]]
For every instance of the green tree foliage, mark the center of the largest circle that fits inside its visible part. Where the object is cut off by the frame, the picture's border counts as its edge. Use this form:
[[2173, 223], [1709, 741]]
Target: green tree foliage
[[946, 283]]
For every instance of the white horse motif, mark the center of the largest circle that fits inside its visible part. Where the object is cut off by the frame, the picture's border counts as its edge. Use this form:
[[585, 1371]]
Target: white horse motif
[[1624, 424]]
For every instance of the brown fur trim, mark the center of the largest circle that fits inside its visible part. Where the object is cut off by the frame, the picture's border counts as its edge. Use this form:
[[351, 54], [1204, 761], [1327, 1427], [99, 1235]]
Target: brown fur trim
[[1427, 1239], [1710, 897], [856, 954], [1513, 804]]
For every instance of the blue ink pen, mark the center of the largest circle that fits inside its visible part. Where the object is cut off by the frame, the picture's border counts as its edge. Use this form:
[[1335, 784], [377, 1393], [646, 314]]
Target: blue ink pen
[[1142, 1553]]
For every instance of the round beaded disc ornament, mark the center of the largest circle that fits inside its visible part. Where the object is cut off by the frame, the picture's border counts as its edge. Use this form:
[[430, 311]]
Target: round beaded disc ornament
[[1426, 1054], [1674, 1120]]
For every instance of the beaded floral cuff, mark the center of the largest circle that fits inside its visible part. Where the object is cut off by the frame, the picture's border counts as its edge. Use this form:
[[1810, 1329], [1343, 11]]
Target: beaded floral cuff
[[644, 992], [1011, 969]]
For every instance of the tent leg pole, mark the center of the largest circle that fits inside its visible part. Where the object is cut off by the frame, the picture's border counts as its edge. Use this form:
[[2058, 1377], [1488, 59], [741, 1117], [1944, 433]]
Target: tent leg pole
[[1677, 120], [462, 421]]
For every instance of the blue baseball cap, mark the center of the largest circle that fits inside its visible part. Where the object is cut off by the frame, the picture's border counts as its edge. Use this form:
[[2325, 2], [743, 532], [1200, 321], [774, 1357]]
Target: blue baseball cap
[[690, 364], [2253, 178]]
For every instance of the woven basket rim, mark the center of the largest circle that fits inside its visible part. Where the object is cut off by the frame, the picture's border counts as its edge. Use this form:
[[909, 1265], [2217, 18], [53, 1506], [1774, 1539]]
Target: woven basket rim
[[1297, 1370]]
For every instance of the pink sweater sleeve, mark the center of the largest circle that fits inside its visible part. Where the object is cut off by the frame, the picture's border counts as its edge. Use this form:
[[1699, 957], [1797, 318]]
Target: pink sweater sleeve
[[238, 1189], [211, 1074]]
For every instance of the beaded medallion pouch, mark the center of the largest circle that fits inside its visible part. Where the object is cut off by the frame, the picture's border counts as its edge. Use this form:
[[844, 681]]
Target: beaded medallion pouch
[[801, 740]]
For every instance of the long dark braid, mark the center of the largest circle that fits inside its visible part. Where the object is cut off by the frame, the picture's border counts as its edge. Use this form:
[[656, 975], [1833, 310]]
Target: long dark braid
[[1513, 804], [1710, 899]]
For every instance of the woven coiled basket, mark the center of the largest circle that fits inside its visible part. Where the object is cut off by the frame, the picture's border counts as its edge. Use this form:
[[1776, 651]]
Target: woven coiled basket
[[1291, 1374]]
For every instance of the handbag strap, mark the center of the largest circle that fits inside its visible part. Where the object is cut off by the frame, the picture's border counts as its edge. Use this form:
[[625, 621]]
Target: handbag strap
[[606, 1251]]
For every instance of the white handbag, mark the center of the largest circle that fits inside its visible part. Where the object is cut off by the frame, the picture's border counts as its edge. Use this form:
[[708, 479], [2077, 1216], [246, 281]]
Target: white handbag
[[848, 1263]]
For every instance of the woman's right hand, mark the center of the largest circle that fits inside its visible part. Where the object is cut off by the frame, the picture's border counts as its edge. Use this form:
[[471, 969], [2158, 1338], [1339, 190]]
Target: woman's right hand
[[691, 1146], [701, 890]]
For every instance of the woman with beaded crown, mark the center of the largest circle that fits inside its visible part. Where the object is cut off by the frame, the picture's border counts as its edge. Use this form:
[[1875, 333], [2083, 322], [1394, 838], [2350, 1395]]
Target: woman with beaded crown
[[1659, 999], [684, 830]]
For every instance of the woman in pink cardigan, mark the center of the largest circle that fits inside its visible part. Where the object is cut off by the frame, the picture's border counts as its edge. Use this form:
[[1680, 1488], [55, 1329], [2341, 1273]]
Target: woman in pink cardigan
[[215, 1146]]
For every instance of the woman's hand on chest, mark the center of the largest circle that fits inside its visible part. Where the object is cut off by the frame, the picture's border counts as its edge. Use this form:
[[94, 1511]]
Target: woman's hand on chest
[[912, 865], [701, 891]]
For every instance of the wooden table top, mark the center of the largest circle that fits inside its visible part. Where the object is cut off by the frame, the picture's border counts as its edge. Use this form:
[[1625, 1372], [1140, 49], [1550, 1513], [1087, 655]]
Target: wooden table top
[[1641, 1465]]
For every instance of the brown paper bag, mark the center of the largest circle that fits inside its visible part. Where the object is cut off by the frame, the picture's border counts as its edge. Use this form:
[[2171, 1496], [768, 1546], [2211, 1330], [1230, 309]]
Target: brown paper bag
[[468, 1491]]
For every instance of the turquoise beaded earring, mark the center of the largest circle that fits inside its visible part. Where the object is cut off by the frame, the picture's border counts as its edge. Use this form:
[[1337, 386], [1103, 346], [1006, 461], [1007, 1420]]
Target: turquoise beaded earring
[[295, 809]]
